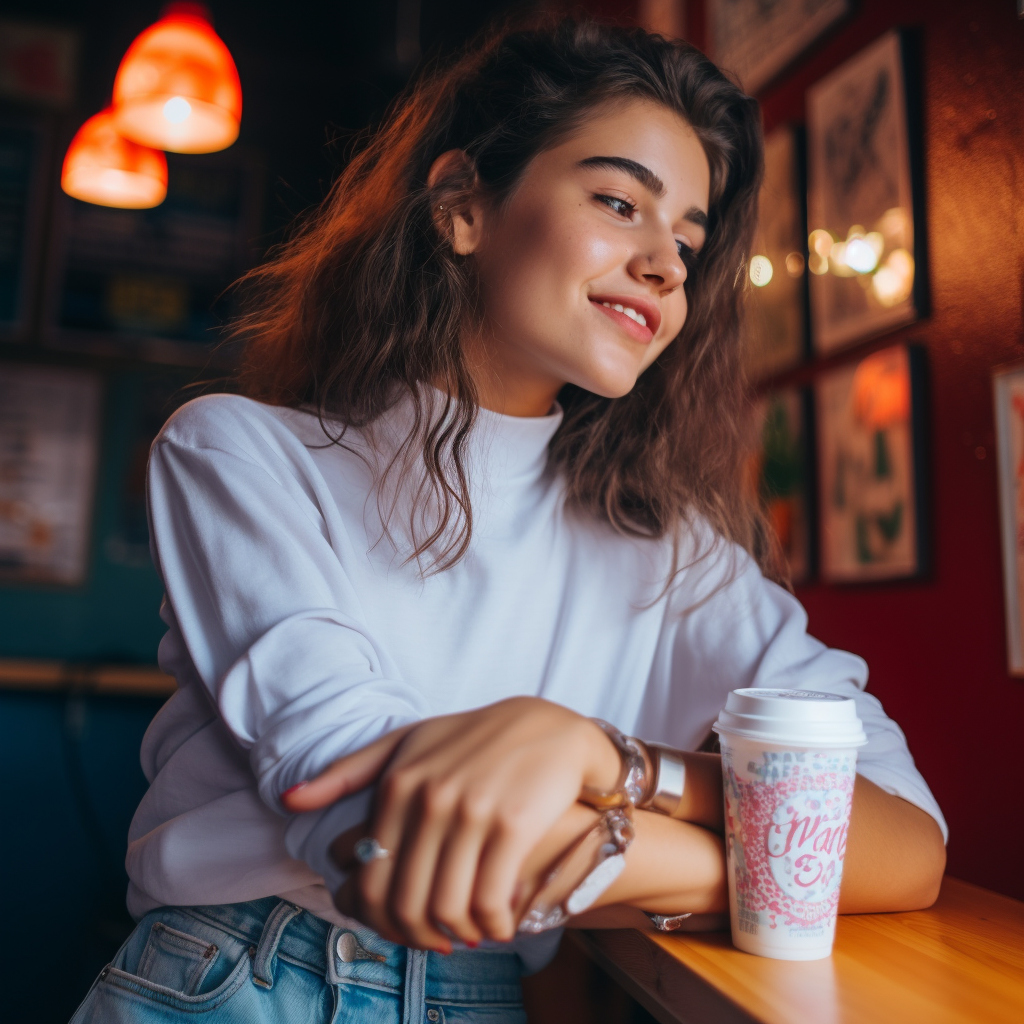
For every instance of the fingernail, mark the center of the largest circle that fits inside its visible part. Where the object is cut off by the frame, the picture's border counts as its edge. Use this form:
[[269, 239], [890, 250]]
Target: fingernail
[[472, 943], [294, 789]]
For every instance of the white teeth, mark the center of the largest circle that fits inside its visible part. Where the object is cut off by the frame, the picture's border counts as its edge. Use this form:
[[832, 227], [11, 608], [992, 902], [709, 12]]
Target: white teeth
[[631, 313]]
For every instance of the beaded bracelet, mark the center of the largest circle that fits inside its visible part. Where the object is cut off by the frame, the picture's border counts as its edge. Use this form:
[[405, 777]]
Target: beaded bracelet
[[632, 781]]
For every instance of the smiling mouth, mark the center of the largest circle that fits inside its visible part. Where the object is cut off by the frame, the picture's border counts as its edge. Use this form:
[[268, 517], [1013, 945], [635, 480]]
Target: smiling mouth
[[626, 311], [632, 322]]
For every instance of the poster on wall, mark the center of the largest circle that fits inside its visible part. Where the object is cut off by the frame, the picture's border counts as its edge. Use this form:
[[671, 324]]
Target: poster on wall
[[755, 40], [782, 475], [155, 284], [24, 153], [870, 418], [866, 255], [776, 320], [49, 439], [1009, 407]]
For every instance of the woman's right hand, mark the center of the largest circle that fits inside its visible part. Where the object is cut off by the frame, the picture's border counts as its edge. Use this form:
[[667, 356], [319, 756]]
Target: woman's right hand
[[462, 801]]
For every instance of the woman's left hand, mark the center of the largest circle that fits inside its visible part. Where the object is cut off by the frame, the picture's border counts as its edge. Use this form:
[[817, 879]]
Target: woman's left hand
[[462, 800]]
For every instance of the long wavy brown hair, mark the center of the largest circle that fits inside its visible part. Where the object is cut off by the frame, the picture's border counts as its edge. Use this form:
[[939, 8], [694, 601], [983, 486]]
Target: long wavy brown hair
[[368, 300]]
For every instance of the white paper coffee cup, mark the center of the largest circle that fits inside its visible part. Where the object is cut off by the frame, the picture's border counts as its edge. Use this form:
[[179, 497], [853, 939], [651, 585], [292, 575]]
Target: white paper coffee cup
[[789, 761]]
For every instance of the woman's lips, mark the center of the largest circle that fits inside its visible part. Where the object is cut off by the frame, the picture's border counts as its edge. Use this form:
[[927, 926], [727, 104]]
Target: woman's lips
[[636, 331]]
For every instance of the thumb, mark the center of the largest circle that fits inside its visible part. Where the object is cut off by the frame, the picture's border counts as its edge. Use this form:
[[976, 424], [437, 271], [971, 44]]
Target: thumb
[[344, 776]]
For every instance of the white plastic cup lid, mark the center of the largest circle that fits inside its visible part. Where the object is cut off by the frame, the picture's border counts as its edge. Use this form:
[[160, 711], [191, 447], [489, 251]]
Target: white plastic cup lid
[[799, 718]]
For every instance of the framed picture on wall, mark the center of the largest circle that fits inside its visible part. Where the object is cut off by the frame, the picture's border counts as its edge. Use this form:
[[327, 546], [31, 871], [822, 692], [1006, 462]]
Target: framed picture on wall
[[783, 475], [871, 468], [776, 317], [864, 200], [154, 284], [1009, 409], [49, 444], [756, 40]]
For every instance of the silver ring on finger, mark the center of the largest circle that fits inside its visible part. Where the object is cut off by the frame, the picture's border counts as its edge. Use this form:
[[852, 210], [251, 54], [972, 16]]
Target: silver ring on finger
[[367, 850]]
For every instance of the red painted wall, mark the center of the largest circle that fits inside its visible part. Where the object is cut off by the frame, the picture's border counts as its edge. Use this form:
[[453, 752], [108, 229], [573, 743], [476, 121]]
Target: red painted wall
[[937, 647]]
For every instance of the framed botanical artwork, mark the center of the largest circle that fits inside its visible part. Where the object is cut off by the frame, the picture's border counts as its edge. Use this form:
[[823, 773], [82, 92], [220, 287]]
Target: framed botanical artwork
[[783, 475], [775, 323], [871, 468], [155, 284], [864, 200], [1009, 408], [49, 444], [755, 39]]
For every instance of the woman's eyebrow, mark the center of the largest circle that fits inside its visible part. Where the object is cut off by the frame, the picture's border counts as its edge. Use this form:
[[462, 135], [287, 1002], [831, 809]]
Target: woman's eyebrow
[[646, 177]]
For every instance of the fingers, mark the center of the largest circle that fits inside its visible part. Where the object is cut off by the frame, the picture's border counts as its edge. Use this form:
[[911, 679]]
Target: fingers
[[451, 897], [494, 889], [346, 775]]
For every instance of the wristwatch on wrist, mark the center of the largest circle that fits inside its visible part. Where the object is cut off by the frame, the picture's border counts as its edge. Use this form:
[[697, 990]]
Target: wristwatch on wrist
[[665, 794], [586, 871], [632, 782]]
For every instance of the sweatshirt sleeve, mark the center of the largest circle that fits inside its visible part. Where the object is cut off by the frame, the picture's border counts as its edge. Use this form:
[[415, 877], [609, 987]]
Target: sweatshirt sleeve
[[271, 622], [728, 627]]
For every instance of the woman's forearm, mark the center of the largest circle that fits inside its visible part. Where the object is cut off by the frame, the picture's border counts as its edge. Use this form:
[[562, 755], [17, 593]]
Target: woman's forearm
[[672, 867], [894, 860], [895, 856]]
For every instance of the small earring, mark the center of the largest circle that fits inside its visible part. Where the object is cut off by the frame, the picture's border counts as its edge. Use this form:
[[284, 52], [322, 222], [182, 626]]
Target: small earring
[[440, 207]]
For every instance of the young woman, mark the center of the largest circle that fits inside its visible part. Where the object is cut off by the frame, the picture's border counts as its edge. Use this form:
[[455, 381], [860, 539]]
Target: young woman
[[483, 485]]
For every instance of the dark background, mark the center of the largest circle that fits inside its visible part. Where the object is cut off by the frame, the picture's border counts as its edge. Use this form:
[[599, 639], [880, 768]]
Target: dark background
[[314, 74]]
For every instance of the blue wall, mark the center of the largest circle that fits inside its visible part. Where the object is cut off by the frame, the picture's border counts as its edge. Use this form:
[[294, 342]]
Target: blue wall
[[73, 782]]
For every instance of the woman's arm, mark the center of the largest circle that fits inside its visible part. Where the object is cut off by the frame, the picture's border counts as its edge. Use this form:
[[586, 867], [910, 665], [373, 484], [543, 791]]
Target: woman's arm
[[895, 856], [894, 861]]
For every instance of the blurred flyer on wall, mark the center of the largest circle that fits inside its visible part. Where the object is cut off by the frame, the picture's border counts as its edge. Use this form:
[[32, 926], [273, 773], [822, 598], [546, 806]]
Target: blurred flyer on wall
[[49, 441], [1009, 408]]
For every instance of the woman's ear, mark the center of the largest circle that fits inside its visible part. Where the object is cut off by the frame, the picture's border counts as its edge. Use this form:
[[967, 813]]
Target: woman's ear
[[460, 219]]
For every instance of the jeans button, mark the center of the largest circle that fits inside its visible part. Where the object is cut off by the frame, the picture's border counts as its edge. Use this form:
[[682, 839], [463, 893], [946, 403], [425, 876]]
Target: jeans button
[[433, 1015], [348, 947]]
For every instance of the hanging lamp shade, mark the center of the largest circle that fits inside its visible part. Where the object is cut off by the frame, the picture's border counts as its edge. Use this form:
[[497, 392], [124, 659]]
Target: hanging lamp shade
[[103, 167], [177, 87]]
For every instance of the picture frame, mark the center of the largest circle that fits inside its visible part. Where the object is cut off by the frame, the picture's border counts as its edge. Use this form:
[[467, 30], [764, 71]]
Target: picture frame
[[783, 474], [756, 40], [155, 284], [866, 246], [1008, 396], [872, 473], [775, 325], [49, 447]]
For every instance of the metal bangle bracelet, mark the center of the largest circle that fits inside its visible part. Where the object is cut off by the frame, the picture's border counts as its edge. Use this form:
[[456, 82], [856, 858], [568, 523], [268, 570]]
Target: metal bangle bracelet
[[632, 781], [669, 770]]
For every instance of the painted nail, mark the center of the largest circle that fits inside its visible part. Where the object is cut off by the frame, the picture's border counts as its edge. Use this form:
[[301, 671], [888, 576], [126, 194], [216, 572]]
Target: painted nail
[[294, 789], [472, 943]]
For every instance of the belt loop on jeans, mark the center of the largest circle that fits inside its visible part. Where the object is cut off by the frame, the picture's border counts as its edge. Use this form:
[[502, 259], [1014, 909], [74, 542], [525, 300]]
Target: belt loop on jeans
[[273, 929], [415, 985]]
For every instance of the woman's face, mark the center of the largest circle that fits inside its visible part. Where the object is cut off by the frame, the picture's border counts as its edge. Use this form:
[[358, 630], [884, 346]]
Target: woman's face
[[582, 270]]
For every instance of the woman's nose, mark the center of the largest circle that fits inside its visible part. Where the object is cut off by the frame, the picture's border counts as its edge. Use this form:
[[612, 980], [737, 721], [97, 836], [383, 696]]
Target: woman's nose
[[659, 264]]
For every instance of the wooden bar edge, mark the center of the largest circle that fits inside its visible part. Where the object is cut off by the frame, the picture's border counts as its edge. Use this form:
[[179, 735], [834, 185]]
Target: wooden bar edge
[[657, 980], [77, 677]]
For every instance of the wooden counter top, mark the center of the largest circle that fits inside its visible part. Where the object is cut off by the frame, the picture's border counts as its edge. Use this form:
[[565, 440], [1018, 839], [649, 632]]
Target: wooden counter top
[[960, 961]]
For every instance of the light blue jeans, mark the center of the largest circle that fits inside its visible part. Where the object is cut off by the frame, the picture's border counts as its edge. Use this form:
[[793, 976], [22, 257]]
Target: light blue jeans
[[268, 962]]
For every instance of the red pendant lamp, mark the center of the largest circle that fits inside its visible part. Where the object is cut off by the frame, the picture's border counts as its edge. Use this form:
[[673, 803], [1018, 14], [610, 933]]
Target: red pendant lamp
[[103, 167], [177, 87]]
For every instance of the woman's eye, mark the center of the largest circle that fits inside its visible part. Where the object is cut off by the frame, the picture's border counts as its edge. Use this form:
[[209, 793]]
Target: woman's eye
[[622, 207], [687, 255]]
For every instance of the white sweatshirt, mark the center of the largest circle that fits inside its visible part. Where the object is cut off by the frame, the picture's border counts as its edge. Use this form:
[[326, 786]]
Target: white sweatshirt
[[298, 633]]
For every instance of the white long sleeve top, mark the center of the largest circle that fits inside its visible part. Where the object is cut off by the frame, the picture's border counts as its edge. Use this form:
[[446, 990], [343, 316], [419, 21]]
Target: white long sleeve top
[[298, 632]]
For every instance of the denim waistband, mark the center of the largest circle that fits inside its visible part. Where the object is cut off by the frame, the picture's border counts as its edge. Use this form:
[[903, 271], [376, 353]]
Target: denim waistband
[[273, 927]]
